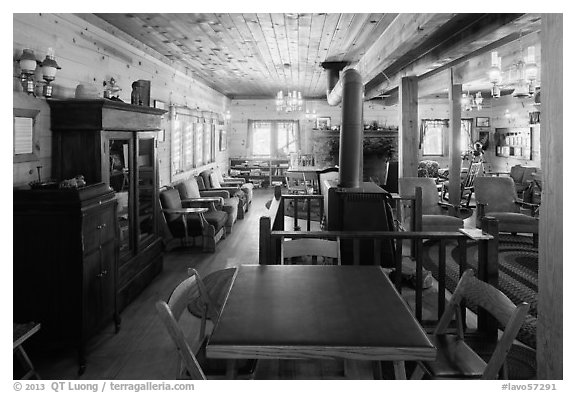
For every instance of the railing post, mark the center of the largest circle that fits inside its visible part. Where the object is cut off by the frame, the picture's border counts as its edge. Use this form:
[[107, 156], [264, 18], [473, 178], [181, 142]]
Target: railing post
[[264, 240], [488, 272]]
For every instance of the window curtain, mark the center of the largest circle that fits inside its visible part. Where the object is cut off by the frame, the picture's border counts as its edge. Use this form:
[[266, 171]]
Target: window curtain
[[250, 135], [432, 123]]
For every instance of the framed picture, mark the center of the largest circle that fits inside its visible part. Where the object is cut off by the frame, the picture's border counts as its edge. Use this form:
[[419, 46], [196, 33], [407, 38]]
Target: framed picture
[[482, 122], [159, 104], [323, 123]]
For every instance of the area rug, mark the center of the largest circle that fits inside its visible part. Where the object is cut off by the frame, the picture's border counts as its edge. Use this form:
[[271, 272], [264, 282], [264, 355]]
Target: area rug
[[518, 273]]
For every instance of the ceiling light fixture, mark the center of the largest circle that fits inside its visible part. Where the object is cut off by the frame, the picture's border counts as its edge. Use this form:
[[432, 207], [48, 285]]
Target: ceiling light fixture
[[290, 102], [495, 74]]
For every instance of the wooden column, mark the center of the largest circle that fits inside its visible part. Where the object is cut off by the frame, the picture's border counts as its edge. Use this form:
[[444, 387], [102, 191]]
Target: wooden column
[[454, 95], [408, 136], [550, 263]]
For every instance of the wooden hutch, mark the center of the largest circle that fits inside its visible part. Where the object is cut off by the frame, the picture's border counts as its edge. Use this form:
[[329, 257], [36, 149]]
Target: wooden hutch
[[116, 143]]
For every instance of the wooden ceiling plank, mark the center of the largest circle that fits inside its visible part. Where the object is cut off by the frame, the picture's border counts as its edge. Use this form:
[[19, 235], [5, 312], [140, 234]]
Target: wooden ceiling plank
[[280, 34], [271, 41], [335, 49], [304, 31], [293, 52], [312, 64], [255, 27], [366, 38], [318, 85], [358, 23]]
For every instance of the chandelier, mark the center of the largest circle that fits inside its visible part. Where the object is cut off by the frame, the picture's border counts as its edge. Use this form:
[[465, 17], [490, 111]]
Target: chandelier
[[469, 102], [290, 102]]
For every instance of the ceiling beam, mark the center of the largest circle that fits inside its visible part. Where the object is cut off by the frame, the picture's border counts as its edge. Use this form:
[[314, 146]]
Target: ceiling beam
[[404, 34], [486, 34]]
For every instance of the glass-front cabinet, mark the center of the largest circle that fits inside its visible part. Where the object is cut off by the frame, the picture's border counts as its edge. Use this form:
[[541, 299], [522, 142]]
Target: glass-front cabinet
[[116, 143]]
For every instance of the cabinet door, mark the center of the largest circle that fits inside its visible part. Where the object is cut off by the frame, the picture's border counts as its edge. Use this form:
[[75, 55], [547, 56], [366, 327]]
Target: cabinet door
[[91, 293], [146, 190], [120, 150]]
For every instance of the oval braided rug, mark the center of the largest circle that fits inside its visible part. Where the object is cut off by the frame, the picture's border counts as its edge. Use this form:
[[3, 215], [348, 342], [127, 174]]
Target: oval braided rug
[[517, 278]]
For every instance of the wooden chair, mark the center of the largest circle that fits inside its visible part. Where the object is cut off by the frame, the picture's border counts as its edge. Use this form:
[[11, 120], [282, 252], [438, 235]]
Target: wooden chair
[[455, 359], [296, 183], [310, 247], [21, 333], [466, 185], [170, 312], [194, 294]]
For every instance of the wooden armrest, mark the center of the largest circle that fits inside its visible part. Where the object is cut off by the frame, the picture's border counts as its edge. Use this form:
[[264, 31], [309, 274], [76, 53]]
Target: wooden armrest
[[204, 200], [183, 210]]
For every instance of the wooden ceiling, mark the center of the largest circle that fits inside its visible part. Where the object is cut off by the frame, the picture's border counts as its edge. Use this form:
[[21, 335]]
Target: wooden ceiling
[[255, 55]]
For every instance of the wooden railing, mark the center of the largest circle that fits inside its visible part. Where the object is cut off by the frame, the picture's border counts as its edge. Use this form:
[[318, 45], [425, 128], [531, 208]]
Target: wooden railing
[[272, 232]]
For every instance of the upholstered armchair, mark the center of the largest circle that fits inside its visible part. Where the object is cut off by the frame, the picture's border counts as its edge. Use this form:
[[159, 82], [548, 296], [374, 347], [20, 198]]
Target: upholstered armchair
[[522, 176], [496, 197], [227, 181], [437, 216], [191, 196], [184, 224], [211, 182]]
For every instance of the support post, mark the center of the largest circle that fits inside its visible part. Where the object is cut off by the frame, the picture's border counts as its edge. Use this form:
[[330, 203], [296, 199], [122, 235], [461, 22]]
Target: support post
[[550, 262], [454, 96], [408, 132], [488, 272]]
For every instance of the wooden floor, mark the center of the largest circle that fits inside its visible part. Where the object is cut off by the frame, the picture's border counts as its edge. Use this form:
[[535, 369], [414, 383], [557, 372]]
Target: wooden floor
[[142, 349]]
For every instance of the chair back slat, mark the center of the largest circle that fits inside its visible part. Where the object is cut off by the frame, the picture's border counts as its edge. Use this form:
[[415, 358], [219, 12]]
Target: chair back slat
[[310, 247]]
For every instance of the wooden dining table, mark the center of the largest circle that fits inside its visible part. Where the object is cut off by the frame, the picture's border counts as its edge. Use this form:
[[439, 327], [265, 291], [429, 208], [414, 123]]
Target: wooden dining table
[[317, 312]]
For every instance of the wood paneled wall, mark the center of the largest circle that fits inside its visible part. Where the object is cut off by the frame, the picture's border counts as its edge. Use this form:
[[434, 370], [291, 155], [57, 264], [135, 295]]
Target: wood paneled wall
[[88, 54]]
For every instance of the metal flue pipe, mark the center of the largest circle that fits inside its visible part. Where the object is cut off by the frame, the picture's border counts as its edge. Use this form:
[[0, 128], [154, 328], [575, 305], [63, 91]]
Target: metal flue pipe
[[333, 69], [351, 130]]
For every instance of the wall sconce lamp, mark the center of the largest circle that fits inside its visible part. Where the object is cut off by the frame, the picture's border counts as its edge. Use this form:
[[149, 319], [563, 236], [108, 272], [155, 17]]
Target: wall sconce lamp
[[28, 64], [227, 115], [49, 68]]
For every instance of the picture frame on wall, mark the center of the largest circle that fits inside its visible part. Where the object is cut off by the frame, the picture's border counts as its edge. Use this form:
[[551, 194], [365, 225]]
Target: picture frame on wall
[[482, 122], [323, 123]]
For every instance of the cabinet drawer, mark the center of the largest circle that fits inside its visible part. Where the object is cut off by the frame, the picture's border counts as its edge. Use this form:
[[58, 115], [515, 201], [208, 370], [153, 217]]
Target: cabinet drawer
[[98, 228]]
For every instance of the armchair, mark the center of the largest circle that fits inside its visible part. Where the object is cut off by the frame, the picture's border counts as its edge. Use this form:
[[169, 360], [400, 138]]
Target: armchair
[[436, 215], [496, 197], [190, 194], [522, 176], [227, 181], [184, 223], [211, 182]]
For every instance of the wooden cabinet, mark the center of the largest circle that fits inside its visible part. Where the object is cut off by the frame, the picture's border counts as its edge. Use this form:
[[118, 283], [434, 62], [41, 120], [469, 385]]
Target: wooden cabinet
[[116, 143], [65, 262]]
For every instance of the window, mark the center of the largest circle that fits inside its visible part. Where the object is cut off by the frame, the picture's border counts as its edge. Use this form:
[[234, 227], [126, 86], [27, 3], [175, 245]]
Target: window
[[433, 133], [431, 137], [273, 138], [465, 135], [193, 140]]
